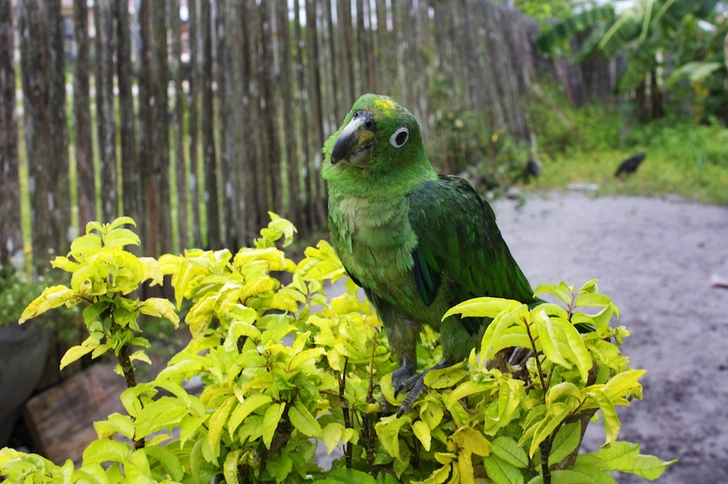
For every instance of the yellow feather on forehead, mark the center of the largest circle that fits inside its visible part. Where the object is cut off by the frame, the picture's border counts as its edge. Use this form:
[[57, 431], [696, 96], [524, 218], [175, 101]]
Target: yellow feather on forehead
[[385, 104]]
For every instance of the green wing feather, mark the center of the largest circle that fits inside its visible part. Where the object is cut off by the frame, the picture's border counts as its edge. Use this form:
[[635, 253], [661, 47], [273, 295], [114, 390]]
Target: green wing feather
[[459, 240]]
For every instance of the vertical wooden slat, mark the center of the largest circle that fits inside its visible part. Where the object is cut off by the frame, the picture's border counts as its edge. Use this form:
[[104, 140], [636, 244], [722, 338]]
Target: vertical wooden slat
[[270, 118], [241, 170], [343, 16], [131, 176], [309, 212], [224, 163], [194, 123], [180, 160], [161, 126], [289, 133], [86, 192], [60, 197], [11, 244], [212, 207], [105, 120], [145, 159], [256, 130], [338, 110], [35, 75], [314, 91]]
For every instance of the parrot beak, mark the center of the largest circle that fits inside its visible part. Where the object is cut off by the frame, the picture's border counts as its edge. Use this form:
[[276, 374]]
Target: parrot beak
[[354, 144]]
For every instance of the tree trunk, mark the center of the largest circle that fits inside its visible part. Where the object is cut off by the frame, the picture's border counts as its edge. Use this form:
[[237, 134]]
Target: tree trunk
[[11, 242], [161, 126], [194, 124], [212, 206], [82, 117], [146, 158], [658, 110], [61, 198], [131, 177], [289, 133], [362, 49], [179, 131], [308, 213], [271, 111]]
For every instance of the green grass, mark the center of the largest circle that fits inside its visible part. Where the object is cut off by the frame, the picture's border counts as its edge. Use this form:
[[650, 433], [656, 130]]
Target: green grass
[[587, 145]]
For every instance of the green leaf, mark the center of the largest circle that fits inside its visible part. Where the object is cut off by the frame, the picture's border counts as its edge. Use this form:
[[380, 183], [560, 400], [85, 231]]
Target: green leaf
[[230, 467], [546, 428], [52, 297], [304, 356], [579, 354], [566, 441], [217, 422], [548, 337], [565, 477], [303, 421], [251, 404], [100, 451], [388, 432], [86, 244], [624, 383], [270, 422], [625, 457], [471, 441], [422, 432], [160, 308], [488, 307], [438, 476], [168, 459], [75, 353], [597, 475], [609, 414], [507, 449], [445, 377], [350, 476], [561, 291], [332, 435], [118, 222], [500, 471]]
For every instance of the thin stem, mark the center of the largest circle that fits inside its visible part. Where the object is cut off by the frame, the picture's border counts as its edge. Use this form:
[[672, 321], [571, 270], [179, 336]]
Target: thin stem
[[348, 450]]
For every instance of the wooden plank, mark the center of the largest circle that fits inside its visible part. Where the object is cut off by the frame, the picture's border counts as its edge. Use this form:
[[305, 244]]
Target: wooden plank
[[61, 419]]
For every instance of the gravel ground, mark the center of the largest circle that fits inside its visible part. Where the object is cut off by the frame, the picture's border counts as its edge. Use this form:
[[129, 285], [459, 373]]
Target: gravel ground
[[655, 258]]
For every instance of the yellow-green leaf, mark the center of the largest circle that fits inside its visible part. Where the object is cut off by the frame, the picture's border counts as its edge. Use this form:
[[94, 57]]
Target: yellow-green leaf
[[566, 441], [438, 476], [609, 414], [270, 422], [303, 421], [332, 435], [230, 467], [217, 423], [501, 471], [160, 308], [479, 307], [507, 449], [471, 441], [445, 377], [251, 404], [76, 352], [422, 432], [304, 356]]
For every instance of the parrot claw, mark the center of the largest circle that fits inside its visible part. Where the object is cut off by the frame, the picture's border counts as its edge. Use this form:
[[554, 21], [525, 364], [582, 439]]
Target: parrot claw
[[415, 385]]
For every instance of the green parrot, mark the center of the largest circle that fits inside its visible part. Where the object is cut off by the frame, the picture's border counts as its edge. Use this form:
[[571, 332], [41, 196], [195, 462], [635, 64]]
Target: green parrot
[[417, 242]]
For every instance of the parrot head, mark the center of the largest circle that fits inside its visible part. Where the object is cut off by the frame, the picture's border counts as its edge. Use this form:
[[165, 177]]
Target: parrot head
[[378, 138]]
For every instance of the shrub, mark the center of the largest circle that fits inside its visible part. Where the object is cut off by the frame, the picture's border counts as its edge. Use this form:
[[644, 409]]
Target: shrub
[[267, 403]]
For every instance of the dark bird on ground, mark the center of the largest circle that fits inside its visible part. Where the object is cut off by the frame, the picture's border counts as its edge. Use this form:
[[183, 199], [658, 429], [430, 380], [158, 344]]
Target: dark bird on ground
[[417, 242], [630, 165], [533, 169]]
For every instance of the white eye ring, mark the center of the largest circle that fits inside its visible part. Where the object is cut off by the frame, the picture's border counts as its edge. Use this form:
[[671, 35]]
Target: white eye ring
[[395, 138]]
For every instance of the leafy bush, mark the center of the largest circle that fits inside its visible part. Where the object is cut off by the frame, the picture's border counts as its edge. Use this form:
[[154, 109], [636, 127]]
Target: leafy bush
[[267, 401]]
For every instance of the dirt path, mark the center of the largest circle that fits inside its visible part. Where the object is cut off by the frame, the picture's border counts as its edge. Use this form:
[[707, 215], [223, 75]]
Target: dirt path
[[655, 258]]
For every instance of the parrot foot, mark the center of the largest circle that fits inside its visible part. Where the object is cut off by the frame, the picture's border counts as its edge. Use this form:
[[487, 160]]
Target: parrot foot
[[415, 385]]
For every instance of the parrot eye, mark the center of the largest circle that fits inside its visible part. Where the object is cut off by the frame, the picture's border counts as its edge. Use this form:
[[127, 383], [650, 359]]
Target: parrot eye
[[399, 137]]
